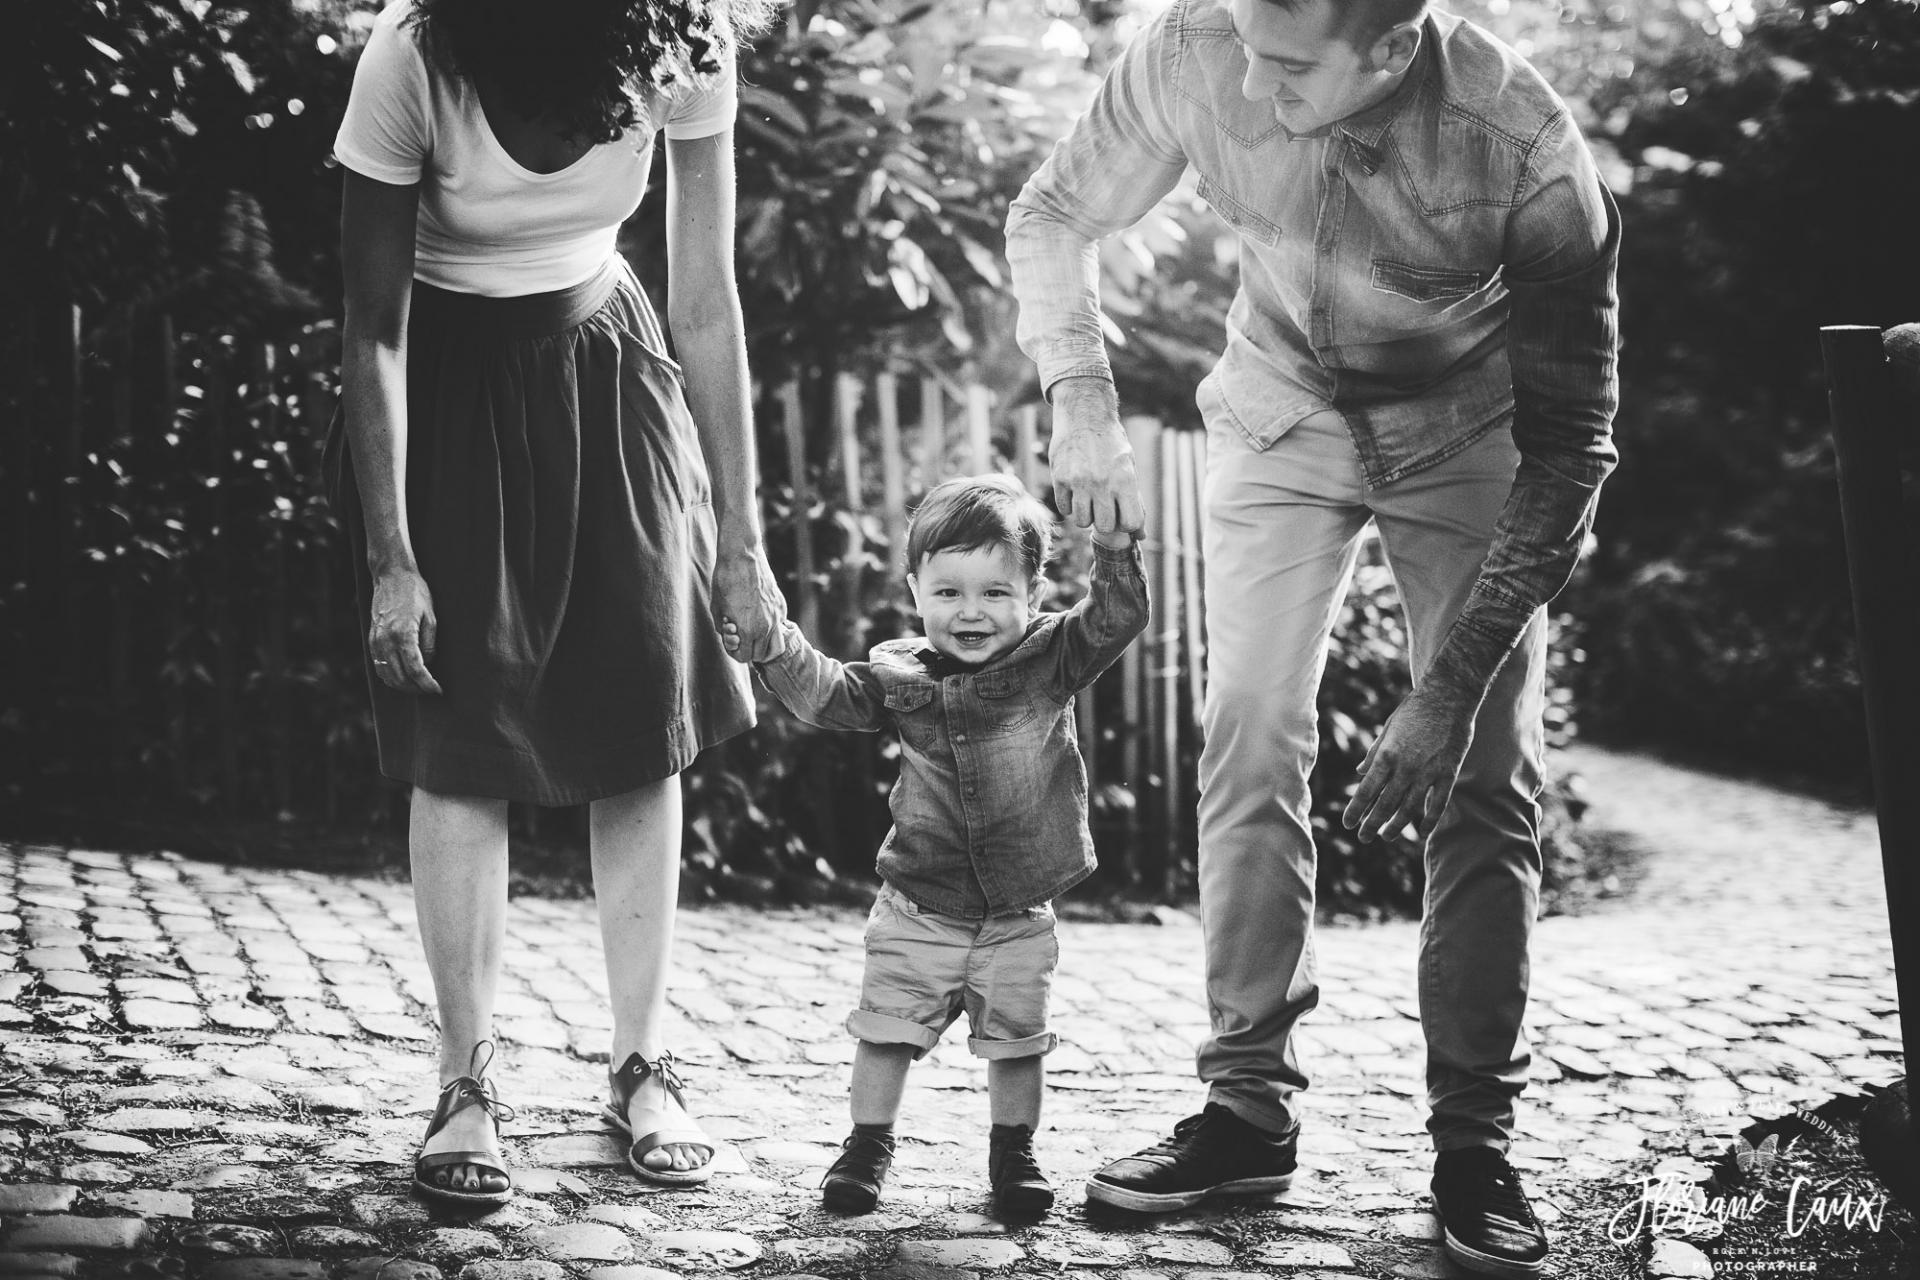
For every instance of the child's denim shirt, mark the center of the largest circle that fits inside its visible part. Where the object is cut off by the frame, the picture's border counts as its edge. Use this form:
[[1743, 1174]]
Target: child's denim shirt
[[990, 812]]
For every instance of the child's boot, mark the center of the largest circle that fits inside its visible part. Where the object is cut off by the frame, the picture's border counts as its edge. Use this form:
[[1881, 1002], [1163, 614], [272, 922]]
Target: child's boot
[[853, 1183], [1019, 1188]]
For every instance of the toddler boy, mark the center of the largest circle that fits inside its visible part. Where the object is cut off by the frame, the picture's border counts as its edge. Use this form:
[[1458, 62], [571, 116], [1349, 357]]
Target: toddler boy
[[990, 812]]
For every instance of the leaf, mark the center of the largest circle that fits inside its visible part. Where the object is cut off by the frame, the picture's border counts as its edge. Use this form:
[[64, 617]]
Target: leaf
[[985, 263], [242, 74], [909, 270], [105, 48], [773, 106]]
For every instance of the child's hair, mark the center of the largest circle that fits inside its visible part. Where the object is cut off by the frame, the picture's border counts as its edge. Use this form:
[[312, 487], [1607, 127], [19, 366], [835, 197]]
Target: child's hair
[[971, 512]]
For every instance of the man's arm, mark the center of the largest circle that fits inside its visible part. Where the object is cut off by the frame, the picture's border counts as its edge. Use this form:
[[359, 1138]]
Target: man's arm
[[1563, 339], [1120, 160]]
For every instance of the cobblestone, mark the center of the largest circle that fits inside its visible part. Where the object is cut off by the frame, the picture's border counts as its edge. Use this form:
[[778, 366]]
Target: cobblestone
[[276, 1080]]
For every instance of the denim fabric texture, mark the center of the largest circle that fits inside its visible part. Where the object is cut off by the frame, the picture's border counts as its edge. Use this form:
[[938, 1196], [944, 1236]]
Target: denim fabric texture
[[990, 812], [1436, 267]]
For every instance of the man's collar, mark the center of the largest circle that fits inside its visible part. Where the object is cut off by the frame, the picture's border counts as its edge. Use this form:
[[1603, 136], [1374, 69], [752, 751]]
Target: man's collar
[[1368, 126]]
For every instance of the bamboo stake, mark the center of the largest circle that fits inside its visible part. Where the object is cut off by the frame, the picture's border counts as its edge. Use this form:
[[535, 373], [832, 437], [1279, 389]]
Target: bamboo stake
[[1192, 471], [221, 584], [277, 603], [979, 429], [176, 702], [801, 481], [120, 601], [846, 406], [1137, 697], [893, 465], [933, 446], [1026, 452], [1171, 786]]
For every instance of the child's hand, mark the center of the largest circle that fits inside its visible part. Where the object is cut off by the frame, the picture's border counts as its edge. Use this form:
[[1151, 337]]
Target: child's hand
[[730, 637], [1118, 540]]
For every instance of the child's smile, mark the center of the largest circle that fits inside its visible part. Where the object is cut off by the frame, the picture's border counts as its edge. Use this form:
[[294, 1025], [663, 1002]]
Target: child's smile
[[975, 605]]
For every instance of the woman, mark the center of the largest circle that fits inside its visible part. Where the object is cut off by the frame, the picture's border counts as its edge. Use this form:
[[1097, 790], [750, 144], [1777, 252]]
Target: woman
[[549, 518]]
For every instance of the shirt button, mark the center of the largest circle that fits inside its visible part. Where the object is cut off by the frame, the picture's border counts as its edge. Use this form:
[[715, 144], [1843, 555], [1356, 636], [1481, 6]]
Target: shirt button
[[959, 737]]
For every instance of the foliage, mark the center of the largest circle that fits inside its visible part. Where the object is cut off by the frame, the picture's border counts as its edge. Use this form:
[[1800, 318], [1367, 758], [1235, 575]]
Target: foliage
[[186, 584], [1781, 188]]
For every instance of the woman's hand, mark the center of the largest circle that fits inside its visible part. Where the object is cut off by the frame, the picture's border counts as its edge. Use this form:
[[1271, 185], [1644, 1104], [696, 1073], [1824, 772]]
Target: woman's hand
[[747, 602], [402, 635]]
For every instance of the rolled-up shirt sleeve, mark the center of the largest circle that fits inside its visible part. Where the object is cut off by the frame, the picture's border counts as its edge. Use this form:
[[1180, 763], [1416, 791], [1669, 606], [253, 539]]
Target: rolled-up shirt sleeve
[[1563, 339], [1121, 159]]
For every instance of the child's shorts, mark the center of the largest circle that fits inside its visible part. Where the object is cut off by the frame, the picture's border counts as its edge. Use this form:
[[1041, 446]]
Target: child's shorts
[[923, 968]]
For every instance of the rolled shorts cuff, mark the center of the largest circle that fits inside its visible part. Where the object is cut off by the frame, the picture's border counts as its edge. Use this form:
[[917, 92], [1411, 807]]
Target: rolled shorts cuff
[[884, 1028], [1034, 1046]]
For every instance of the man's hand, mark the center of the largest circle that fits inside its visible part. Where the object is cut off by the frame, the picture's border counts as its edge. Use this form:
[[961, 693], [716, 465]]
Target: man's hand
[[747, 602], [1092, 463], [402, 632], [1410, 770]]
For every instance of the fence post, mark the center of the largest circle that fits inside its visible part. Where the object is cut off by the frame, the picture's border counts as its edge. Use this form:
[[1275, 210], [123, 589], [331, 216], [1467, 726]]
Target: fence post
[[979, 429], [1026, 447], [1881, 568], [846, 409], [1192, 475], [933, 444], [1153, 772], [893, 479], [793, 423]]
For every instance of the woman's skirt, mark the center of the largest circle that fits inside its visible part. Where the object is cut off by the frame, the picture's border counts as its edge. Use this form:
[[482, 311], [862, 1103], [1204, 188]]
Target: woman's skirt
[[561, 516]]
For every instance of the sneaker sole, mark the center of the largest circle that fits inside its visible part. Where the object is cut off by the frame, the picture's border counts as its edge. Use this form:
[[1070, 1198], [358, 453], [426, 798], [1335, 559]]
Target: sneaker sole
[[1486, 1264], [1164, 1202]]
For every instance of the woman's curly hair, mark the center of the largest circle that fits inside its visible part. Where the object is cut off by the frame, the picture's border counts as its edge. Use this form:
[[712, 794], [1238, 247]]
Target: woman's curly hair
[[589, 65]]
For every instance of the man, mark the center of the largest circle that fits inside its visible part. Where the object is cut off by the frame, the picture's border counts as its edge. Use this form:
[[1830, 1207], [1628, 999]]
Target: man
[[1424, 336]]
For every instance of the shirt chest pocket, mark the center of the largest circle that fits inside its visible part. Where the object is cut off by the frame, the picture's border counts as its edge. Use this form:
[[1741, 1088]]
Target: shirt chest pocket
[[1408, 296], [1006, 704], [913, 710]]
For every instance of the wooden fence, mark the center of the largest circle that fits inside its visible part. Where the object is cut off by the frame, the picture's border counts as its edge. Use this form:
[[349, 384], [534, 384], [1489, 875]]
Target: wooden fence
[[894, 439], [176, 612]]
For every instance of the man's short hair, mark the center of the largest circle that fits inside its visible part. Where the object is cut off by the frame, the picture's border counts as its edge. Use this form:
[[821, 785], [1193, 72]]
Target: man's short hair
[[971, 512], [1361, 22]]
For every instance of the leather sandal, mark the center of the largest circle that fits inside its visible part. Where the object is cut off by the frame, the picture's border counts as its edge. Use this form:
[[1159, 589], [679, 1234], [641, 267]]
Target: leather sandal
[[621, 1086], [456, 1096]]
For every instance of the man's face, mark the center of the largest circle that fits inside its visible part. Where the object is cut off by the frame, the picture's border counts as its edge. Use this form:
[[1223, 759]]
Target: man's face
[[975, 604], [1311, 77]]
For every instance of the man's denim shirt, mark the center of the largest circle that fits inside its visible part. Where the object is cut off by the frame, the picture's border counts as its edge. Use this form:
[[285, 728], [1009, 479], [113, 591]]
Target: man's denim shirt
[[990, 812], [1434, 267]]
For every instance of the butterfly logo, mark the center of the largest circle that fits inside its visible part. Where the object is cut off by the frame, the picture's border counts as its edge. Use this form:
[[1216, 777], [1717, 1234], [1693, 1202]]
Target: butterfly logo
[[1756, 1162]]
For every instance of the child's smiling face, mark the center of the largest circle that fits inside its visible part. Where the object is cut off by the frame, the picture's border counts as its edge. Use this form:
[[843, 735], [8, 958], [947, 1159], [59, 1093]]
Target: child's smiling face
[[975, 605]]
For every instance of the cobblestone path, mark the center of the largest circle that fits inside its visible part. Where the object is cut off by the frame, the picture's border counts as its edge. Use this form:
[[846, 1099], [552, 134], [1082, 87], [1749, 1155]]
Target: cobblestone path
[[223, 1072]]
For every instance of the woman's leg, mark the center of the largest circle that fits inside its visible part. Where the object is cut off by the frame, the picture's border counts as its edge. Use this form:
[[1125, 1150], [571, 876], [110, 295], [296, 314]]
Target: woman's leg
[[459, 852], [636, 880]]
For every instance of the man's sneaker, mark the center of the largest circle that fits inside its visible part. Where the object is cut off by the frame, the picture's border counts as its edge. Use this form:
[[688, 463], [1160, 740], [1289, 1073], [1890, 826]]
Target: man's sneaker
[[853, 1182], [1019, 1188], [1489, 1226], [1215, 1153]]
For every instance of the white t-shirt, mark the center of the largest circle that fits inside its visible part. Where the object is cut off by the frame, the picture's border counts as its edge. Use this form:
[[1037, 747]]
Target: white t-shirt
[[486, 224]]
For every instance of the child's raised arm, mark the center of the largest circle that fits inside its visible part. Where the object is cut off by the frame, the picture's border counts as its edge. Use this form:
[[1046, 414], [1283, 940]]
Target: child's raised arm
[[1097, 630]]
